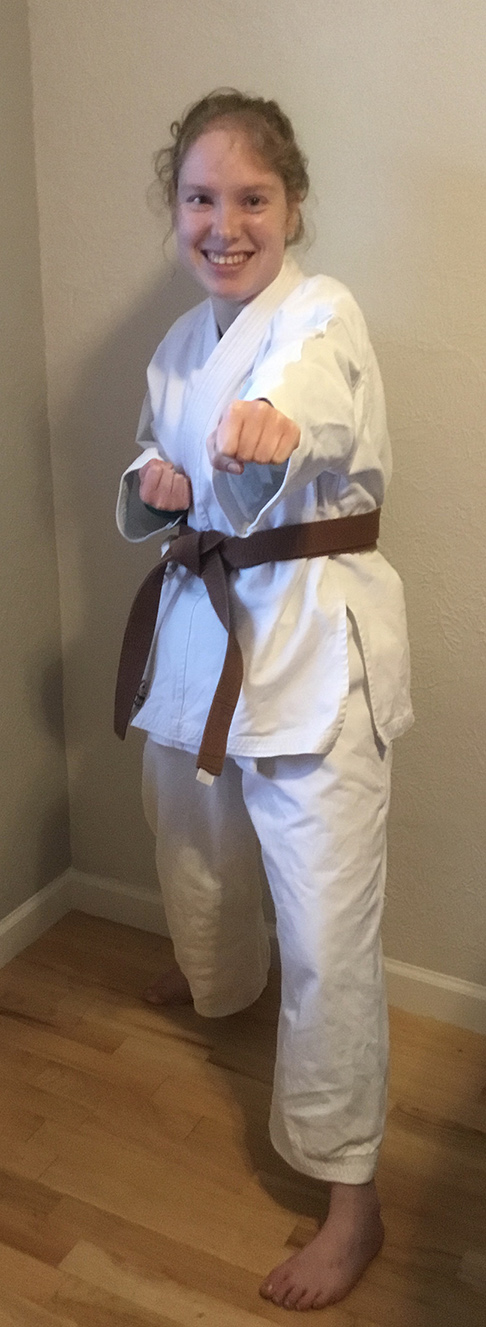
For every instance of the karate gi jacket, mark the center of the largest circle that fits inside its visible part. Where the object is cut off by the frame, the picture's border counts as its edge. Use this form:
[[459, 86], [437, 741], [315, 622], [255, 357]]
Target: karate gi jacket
[[303, 345]]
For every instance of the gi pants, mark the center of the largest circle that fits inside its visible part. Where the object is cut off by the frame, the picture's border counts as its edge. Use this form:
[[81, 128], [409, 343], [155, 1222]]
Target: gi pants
[[320, 822]]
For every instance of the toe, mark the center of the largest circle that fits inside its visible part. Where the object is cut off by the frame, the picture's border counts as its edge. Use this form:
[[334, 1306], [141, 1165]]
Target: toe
[[266, 1289], [270, 1286], [279, 1294], [306, 1299], [320, 1301], [277, 1284], [293, 1295]]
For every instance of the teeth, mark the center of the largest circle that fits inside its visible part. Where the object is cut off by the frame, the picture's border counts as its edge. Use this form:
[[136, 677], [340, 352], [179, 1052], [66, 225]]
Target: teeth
[[228, 259]]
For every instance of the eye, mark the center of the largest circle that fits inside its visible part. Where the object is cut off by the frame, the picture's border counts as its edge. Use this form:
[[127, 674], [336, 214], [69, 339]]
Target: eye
[[199, 200], [255, 200]]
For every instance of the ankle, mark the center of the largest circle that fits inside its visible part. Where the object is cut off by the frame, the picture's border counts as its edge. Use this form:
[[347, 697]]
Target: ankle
[[346, 1197]]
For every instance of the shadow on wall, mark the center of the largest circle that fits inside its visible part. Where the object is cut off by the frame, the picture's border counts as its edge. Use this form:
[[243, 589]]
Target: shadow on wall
[[432, 358], [34, 843], [99, 573], [34, 810]]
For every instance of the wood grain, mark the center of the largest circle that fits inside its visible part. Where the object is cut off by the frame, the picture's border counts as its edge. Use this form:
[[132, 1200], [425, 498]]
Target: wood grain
[[138, 1186]]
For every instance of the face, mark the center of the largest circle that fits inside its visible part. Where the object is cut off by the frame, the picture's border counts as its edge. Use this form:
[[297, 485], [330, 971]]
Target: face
[[232, 218]]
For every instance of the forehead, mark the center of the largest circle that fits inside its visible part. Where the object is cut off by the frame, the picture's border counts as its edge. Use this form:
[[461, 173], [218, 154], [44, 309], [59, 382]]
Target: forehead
[[221, 154]]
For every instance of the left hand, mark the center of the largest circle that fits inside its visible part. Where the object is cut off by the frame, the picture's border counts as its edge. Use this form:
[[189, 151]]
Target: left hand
[[251, 431]]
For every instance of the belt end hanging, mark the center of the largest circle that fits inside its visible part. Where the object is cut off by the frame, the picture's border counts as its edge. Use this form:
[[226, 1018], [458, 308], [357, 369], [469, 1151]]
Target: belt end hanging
[[202, 776]]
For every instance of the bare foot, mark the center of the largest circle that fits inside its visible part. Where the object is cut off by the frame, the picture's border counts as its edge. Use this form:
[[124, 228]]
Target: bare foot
[[171, 988], [334, 1261]]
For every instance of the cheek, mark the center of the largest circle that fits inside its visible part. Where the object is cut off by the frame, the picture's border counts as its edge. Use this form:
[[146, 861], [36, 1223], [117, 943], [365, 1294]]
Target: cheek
[[278, 230], [186, 228], [271, 235], [186, 237]]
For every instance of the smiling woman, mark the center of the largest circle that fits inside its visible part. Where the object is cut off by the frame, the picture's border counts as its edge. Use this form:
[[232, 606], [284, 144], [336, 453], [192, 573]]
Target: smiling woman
[[267, 129], [233, 219], [265, 419]]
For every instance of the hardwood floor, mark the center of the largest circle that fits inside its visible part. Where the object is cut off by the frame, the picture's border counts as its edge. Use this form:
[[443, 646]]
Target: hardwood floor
[[138, 1186]]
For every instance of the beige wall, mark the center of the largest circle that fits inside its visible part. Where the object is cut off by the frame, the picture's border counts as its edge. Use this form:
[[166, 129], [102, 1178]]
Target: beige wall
[[389, 101], [34, 840]]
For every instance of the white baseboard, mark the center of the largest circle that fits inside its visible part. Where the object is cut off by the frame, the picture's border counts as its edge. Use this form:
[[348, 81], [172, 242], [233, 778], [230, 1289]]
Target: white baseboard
[[417, 990], [97, 895], [434, 994], [21, 927], [118, 902]]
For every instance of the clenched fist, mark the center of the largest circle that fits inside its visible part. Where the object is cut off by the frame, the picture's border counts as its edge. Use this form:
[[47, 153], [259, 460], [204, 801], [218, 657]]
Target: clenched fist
[[163, 487], [251, 431]]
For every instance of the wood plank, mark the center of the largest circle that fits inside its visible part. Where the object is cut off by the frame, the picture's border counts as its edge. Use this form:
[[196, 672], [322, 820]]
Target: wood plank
[[221, 1094], [100, 952], [21, 1273], [37, 1239], [159, 1295], [154, 1253], [467, 1140], [175, 1162], [155, 1126], [121, 1109], [16, 1123], [425, 1036], [43, 1104], [36, 994], [473, 1270], [26, 1207], [151, 1049], [180, 1021], [166, 1194], [29, 1158], [15, 1311], [89, 1306], [51, 1046]]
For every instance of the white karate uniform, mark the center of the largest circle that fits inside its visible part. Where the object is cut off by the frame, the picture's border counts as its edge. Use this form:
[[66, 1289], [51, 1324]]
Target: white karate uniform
[[325, 690]]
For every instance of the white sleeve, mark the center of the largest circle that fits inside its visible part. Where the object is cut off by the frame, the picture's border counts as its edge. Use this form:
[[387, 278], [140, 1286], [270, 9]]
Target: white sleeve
[[248, 494], [328, 382], [134, 520]]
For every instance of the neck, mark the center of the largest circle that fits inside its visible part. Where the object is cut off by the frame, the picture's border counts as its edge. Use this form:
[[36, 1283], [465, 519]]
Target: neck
[[225, 311]]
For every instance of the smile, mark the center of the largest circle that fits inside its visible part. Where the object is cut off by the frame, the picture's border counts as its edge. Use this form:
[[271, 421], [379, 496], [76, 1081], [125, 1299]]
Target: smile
[[226, 259]]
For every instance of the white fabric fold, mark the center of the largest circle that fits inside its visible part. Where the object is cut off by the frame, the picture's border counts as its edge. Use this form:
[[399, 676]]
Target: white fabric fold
[[302, 344]]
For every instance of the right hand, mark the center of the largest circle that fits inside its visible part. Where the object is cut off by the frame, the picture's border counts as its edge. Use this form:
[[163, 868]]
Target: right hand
[[163, 487]]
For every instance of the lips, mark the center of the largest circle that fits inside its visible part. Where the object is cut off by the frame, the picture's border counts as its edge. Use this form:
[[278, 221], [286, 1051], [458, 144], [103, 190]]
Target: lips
[[225, 259]]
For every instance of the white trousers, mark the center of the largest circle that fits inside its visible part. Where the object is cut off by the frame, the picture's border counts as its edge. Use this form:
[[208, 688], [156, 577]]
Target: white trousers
[[321, 825]]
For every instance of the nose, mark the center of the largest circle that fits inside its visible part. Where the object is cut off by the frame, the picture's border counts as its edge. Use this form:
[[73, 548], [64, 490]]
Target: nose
[[226, 223]]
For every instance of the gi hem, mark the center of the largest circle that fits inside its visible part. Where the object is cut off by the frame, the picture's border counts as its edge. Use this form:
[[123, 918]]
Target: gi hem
[[353, 1169]]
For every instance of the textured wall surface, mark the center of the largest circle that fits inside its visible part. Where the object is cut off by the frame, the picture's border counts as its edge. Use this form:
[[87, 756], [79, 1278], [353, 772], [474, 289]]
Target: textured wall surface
[[389, 103], [34, 840]]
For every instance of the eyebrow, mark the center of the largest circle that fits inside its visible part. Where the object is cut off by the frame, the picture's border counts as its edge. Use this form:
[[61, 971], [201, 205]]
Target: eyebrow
[[254, 187]]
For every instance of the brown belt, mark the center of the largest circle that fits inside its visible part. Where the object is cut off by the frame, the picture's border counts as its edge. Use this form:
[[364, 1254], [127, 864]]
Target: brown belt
[[212, 556]]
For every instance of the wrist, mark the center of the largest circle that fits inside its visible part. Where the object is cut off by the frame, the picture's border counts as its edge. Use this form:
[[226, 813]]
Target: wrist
[[178, 512]]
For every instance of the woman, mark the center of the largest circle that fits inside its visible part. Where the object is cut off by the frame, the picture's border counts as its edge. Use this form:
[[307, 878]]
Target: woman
[[265, 413]]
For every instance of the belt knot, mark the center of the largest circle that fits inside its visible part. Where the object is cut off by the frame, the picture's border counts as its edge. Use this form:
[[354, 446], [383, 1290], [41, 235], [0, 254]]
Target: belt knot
[[194, 548], [213, 556]]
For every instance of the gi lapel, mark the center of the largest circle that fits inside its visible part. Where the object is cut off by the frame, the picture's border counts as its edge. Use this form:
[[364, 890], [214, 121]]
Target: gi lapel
[[231, 361]]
